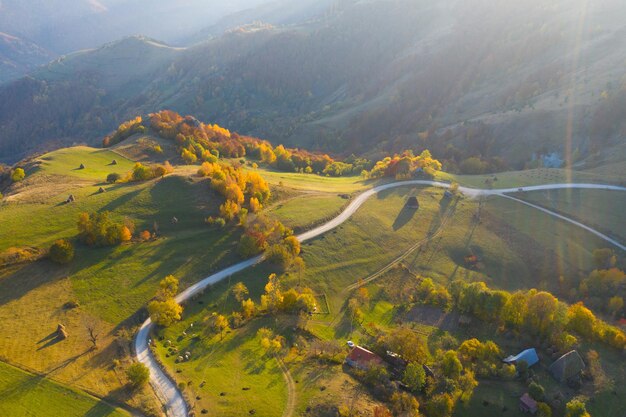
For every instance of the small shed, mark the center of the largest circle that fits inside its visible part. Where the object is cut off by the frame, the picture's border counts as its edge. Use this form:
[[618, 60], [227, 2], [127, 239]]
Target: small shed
[[529, 356], [412, 203], [568, 366], [362, 358], [527, 404]]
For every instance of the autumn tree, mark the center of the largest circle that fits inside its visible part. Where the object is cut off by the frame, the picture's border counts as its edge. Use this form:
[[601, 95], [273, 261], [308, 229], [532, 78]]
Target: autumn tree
[[164, 310], [440, 405], [17, 175], [273, 297], [576, 408], [248, 309], [404, 342], [404, 405], [219, 324], [165, 313], [168, 287], [240, 291]]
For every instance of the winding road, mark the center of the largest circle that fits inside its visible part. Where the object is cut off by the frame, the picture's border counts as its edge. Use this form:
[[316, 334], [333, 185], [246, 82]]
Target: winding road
[[167, 390]]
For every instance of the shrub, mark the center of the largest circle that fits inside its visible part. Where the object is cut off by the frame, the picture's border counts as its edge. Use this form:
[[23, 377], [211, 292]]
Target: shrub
[[536, 391], [113, 177], [138, 375], [62, 251], [18, 174]]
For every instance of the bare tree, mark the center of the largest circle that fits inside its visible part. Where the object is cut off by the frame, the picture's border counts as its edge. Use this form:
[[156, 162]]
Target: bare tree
[[93, 332]]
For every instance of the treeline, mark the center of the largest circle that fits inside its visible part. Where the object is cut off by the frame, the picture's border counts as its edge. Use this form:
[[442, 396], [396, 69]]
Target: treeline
[[537, 312], [198, 142]]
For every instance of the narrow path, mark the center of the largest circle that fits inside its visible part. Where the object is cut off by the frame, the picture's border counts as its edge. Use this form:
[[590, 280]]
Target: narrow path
[[167, 390], [291, 389]]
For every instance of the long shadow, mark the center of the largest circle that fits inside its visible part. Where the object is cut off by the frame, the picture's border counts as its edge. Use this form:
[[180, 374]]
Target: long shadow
[[120, 201], [404, 216], [100, 409], [27, 277], [50, 341]]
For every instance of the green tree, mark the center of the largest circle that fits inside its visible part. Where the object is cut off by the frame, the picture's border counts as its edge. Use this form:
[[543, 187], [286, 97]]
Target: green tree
[[138, 375], [113, 177], [451, 365], [536, 391], [17, 175], [62, 251], [414, 377]]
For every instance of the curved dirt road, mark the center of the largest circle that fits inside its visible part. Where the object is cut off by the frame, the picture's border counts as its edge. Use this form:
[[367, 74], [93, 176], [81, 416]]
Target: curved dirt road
[[167, 390]]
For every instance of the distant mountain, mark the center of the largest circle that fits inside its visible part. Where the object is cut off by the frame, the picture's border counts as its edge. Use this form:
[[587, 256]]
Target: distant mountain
[[65, 26], [18, 57], [505, 82]]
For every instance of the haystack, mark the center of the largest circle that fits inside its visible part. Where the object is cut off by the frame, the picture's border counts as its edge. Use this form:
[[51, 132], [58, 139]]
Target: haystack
[[82, 166], [61, 332]]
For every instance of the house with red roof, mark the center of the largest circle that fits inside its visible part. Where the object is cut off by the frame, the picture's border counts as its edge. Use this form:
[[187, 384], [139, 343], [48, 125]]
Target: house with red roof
[[362, 358]]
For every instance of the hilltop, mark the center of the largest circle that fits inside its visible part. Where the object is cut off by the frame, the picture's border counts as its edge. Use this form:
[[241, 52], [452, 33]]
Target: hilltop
[[527, 88]]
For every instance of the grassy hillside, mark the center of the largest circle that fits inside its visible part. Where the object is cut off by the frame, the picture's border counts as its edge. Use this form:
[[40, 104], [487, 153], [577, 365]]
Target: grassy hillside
[[24, 394], [110, 285]]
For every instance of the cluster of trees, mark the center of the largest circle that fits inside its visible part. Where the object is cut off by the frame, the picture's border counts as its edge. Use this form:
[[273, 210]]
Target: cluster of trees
[[238, 188], [428, 292], [281, 248], [538, 312], [142, 172], [404, 166], [605, 290], [163, 309], [98, 229], [124, 131], [275, 299], [199, 142]]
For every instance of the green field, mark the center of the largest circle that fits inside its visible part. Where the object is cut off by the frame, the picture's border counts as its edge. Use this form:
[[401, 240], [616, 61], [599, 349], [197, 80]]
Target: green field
[[600, 209], [26, 395], [304, 211]]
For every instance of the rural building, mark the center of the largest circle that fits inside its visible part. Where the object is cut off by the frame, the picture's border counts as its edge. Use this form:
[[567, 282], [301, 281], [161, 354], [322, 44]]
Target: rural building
[[567, 367], [529, 356], [527, 404], [362, 358], [412, 203]]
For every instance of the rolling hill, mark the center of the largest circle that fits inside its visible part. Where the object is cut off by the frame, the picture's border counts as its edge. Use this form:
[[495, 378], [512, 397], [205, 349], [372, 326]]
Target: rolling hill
[[19, 57], [510, 84]]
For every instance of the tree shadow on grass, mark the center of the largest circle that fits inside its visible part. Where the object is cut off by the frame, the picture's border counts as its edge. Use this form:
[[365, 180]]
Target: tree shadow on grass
[[404, 216], [100, 409]]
